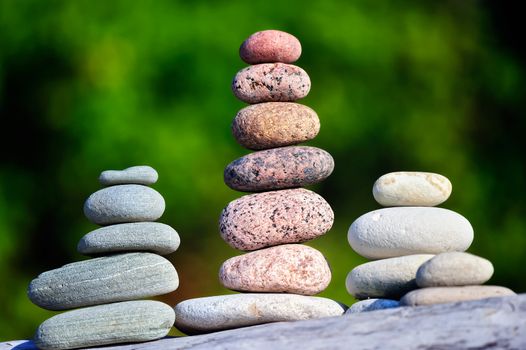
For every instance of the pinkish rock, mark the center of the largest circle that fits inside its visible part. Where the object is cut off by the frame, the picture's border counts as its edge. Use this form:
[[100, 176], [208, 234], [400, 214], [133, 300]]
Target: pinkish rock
[[264, 219], [270, 46], [279, 168], [271, 82], [290, 268]]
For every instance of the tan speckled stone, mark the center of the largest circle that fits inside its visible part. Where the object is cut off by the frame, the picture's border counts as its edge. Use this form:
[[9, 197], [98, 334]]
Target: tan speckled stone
[[264, 219], [289, 268], [271, 82], [442, 295], [270, 46], [275, 124]]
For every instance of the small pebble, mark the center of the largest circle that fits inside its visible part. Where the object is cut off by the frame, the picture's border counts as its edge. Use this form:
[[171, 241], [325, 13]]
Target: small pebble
[[289, 268], [372, 305], [141, 175], [278, 168], [271, 82], [212, 314], [454, 269], [270, 46], [442, 295]]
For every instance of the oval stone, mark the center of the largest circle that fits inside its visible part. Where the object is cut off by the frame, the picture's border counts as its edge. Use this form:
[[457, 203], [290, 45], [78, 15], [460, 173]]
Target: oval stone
[[138, 236], [141, 174], [278, 168], [454, 269], [212, 314], [391, 232], [442, 295], [387, 278], [265, 219], [271, 82], [372, 305], [125, 322], [275, 124], [410, 188], [270, 46], [124, 203], [104, 280], [289, 268]]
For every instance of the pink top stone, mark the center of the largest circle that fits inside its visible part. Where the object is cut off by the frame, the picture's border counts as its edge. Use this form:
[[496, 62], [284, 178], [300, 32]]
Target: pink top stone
[[270, 46]]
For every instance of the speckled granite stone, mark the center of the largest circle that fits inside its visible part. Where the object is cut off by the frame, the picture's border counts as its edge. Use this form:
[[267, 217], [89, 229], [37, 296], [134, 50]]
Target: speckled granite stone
[[270, 46]]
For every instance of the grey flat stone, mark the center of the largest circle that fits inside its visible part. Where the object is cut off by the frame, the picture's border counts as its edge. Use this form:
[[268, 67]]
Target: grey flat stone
[[104, 280], [124, 203], [372, 305], [139, 236], [441, 295], [141, 175], [130, 321]]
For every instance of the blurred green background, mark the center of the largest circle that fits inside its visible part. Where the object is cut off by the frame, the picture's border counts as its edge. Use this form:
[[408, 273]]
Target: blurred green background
[[398, 85]]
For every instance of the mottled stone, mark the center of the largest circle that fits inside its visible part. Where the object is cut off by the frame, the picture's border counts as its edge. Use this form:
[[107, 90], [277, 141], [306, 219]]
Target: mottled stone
[[138, 236], [141, 175], [391, 232], [270, 46], [442, 295], [125, 322], [454, 269], [264, 219], [104, 280], [278, 168], [275, 124], [372, 305], [289, 268], [271, 82], [387, 278], [124, 203], [411, 188], [211, 314]]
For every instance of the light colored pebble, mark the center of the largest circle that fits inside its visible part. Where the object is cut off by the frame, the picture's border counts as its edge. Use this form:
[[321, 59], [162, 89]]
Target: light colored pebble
[[454, 269], [124, 203], [104, 280], [372, 305], [387, 278], [270, 46], [442, 295], [391, 232], [138, 236], [141, 175], [211, 314]]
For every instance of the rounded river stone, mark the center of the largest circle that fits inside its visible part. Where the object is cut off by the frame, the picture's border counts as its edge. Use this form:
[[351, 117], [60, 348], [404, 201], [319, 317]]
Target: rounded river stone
[[138, 236], [278, 168], [125, 322], [264, 219], [270, 46], [211, 314], [391, 232], [271, 82], [289, 268], [275, 124], [104, 280], [454, 269], [387, 278], [372, 305], [141, 174], [442, 295], [410, 188], [124, 203]]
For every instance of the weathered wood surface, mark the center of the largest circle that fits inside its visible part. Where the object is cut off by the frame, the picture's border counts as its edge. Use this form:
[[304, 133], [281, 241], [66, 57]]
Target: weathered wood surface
[[498, 323]]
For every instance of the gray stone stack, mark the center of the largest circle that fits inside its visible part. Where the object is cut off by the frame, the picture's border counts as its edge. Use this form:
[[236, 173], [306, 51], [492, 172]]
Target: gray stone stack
[[104, 291], [403, 240], [270, 224]]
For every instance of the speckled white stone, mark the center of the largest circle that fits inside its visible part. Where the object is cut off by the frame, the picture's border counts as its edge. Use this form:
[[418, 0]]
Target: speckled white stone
[[372, 305], [441, 295], [141, 175]]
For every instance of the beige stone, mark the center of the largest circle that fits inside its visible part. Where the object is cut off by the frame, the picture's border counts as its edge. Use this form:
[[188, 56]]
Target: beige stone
[[441, 295]]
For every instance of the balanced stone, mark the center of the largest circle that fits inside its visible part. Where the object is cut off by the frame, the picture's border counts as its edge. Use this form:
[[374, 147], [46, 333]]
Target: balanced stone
[[271, 82], [275, 124], [391, 232], [125, 322], [441, 295], [278, 168], [138, 236], [454, 269], [387, 278], [142, 175], [264, 219], [211, 314], [409, 188], [372, 305], [104, 280], [270, 46], [124, 203], [289, 268]]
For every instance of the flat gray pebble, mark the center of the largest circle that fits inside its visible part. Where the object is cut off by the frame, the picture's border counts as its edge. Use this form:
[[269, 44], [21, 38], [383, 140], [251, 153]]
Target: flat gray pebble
[[441, 295], [141, 175], [372, 305]]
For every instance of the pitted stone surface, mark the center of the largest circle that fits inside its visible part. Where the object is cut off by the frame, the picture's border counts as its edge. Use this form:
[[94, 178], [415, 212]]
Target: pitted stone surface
[[141, 175], [441, 295], [270, 46]]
